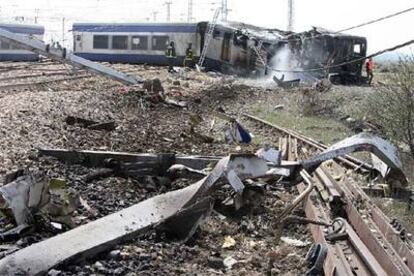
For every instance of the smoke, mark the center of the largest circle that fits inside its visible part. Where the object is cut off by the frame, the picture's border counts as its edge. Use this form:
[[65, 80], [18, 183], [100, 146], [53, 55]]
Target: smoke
[[283, 60], [286, 60]]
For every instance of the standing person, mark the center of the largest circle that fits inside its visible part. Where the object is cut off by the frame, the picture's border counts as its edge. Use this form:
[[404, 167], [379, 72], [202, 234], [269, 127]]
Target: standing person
[[189, 55], [171, 55], [370, 70]]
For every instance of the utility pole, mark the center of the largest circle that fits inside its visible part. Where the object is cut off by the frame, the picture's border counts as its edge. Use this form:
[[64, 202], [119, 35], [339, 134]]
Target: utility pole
[[154, 16], [168, 4], [36, 16], [224, 10], [63, 32], [190, 11], [291, 15]]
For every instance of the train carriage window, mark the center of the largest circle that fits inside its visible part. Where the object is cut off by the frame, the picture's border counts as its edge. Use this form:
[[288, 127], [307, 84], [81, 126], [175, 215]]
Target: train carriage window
[[216, 34], [100, 42], [120, 42], [139, 43], [160, 43], [4, 45], [357, 48]]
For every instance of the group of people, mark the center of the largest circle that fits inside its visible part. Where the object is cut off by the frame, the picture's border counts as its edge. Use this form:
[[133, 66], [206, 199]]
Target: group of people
[[172, 55]]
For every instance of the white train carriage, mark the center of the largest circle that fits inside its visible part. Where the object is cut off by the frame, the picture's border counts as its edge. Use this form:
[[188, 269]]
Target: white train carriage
[[9, 52], [133, 43], [147, 42]]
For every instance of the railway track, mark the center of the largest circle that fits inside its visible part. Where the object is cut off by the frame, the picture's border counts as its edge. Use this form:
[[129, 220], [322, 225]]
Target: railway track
[[362, 240]]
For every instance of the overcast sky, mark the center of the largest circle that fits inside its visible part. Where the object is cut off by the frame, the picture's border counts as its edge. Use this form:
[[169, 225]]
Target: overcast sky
[[330, 14]]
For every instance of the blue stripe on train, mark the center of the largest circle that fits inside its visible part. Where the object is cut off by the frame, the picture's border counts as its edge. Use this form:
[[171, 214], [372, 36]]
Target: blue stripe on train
[[18, 57], [170, 28], [130, 58], [24, 30], [141, 59]]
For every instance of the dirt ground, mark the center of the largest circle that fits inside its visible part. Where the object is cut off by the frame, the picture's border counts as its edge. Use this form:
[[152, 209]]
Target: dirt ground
[[34, 117]]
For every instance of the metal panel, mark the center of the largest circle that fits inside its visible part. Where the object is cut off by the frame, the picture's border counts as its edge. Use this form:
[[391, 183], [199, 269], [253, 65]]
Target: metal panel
[[38, 46]]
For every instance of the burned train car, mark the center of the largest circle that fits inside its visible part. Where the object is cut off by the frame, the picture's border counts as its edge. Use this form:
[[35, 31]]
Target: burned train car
[[239, 48], [10, 52], [327, 54]]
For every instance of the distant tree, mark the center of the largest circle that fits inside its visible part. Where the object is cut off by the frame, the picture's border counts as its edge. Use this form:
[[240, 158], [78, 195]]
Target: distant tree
[[392, 104]]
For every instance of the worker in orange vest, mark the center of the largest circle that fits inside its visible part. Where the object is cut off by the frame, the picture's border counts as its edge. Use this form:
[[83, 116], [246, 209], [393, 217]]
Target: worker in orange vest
[[370, 70]]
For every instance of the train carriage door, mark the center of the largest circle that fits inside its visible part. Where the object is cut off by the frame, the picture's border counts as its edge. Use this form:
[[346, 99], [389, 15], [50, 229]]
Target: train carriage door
[[225, 48], [77, 43]]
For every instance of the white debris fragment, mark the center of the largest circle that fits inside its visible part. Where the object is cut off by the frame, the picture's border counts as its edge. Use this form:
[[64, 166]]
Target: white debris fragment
[[294, 242], [229, 262], [21, 196], [269, 154]]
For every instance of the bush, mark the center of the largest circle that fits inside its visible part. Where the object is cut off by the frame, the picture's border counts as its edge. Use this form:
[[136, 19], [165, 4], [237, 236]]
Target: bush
[[392, 105], [312, 102]]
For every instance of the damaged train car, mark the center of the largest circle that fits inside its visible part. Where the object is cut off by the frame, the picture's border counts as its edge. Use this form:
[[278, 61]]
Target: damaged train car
[[326, 54], [230, 49], [234, 47]]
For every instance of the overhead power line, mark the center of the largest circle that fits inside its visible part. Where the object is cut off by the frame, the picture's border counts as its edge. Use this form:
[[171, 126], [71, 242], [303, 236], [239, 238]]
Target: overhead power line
[[356, 26], [376, 20]]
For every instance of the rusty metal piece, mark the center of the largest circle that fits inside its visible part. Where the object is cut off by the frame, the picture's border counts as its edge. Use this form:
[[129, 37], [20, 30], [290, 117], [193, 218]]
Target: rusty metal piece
[[307, 179], [297, 219], [334, 264]]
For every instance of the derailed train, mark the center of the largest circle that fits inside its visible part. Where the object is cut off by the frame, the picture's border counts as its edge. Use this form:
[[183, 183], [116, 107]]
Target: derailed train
[[9, 52], [235, 47]]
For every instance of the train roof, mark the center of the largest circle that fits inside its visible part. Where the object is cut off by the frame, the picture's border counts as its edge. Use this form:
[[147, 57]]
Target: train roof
[[23, 29], [136, 27], [318, 31]]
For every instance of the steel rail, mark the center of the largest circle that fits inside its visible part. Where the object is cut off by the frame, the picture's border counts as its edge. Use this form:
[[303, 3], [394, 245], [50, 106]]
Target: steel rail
[[374, 250]]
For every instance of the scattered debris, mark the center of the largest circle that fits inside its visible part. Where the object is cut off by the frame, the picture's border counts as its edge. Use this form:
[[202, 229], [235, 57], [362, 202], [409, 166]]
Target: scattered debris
[[364, 142], [235, 133], [270, 155], [278, 107], [286, 84], [229, 262], [181, 104], [21, 196], [92, 125], [316, 258], [229, 242], [294, 242]]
